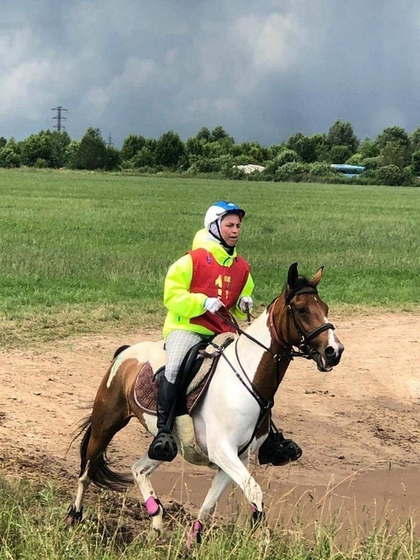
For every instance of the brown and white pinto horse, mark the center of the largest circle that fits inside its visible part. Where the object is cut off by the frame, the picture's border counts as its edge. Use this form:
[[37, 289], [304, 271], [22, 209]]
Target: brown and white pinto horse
[[231, 419]]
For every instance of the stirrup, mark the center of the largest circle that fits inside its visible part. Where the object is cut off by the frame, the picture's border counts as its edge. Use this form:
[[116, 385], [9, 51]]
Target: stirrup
[[163, 447], [278, 451]]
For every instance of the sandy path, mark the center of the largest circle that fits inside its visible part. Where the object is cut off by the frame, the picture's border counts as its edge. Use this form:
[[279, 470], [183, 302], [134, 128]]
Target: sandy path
[[357, 425]]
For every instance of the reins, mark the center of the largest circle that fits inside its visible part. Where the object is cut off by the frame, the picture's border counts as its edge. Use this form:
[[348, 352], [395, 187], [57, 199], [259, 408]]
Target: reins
[[265, 404], [228, 318]]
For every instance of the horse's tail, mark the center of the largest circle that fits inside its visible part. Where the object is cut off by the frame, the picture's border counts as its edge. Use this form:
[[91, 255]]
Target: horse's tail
[[100, 472]]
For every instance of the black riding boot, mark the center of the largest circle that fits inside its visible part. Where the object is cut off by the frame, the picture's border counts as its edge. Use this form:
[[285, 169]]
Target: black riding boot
[[163, 447], [277, 450]]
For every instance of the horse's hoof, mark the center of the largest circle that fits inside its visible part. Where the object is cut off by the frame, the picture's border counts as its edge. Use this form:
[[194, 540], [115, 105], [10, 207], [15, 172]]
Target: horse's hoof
[[195, 537], [74, 517], [257, 518]]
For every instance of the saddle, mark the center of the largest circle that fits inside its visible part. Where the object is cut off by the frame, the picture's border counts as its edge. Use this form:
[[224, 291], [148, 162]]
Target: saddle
[[194, 378]]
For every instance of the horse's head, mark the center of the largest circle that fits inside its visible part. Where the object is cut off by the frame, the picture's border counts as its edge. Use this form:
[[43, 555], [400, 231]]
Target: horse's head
[[299, 318]]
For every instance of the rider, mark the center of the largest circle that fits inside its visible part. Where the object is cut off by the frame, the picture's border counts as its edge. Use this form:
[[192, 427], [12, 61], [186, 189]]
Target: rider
[[207, 279], [197, 286], [275, 449]]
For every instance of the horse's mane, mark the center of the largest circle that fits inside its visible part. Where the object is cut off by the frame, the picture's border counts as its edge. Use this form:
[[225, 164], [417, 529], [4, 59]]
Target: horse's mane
[[119, 350]]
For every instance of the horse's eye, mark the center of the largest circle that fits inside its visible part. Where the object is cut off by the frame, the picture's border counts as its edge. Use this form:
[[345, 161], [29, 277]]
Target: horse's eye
[[301, 310]]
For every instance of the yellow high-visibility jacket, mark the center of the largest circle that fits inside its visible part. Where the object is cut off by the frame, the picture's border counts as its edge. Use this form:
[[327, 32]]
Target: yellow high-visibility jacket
[[183, 305]]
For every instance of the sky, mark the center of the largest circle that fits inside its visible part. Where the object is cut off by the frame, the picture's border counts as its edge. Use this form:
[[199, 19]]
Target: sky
[[262, 70]]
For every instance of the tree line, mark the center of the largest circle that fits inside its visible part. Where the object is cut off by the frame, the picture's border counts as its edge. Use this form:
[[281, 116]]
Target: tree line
[[392, 158]]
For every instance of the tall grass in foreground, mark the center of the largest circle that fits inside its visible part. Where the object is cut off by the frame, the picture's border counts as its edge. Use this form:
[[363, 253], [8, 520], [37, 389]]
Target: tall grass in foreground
[[32, 527], [82, 252]]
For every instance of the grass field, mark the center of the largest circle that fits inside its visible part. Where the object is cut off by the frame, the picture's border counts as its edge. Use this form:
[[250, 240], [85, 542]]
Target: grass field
[[31, 527], [85, 252]]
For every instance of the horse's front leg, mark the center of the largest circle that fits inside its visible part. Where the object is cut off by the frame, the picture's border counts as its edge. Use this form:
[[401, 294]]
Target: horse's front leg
[[142, 471], [220, 482], [225, 455]]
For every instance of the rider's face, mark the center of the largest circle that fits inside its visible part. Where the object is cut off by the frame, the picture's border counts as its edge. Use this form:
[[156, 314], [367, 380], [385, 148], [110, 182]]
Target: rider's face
[[230, 228]]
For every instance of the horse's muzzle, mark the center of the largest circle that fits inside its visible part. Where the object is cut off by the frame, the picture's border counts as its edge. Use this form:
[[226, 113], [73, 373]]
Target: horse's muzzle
[[330, 357]]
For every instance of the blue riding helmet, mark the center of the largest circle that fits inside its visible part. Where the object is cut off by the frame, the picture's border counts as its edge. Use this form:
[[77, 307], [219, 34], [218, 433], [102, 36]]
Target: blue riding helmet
[[219, 209]]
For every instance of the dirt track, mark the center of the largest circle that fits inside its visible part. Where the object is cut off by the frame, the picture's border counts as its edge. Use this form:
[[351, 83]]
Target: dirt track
[[358, 425]]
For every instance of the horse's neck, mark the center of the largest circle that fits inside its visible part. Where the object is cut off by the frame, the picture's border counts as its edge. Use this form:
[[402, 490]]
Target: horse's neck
[[264, 370], [259, 329]]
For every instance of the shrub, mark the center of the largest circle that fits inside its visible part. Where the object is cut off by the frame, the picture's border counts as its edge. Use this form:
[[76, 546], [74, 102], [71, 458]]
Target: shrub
[[339, 154], [292, 171], [319, 169], [286, 156], [415, 163], [41, 163], [355, 159], [371, 162], [391, 175], [9, 157]]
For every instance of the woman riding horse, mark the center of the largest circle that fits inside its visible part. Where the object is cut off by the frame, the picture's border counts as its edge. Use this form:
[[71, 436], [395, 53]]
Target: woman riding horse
[[199, 289], [229, 419]]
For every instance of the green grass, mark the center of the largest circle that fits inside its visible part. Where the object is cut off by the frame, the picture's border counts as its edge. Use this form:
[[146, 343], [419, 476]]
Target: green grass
[[32, 527], [88, 252]]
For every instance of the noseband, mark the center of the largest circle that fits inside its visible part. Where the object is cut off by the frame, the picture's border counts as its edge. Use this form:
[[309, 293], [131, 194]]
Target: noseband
[[305, 338]]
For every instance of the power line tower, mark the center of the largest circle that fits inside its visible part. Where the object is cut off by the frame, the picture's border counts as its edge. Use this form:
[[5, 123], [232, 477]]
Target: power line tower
[[110, 142], [59, 117]]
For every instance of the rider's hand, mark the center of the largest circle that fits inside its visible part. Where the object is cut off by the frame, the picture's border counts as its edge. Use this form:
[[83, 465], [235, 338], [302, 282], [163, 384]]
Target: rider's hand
[[212, 304], [245, 304]]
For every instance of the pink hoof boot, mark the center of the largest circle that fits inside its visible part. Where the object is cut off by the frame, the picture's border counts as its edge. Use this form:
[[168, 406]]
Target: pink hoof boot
[[153, 506], [195, 535]]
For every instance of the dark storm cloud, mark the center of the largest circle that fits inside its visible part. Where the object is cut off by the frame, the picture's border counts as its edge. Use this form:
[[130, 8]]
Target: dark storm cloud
[[262, 70]]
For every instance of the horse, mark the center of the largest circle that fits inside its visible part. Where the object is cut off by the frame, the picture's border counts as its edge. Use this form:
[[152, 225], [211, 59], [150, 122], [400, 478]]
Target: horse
[[231, 418]]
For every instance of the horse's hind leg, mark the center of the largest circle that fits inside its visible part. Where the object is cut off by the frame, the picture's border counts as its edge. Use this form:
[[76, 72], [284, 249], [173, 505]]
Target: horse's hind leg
[[107, 419], [92, 461], [75, 511], [142, 471]]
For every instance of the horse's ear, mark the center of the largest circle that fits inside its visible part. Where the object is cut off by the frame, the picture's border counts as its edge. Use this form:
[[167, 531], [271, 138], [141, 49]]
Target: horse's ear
[[317, 278], [292, 275]]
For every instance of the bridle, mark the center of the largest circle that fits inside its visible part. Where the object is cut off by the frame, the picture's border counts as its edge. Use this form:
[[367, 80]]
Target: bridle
[[305, 349]]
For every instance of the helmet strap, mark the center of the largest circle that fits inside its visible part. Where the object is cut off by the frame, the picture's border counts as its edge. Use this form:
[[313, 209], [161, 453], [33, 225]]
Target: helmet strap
[[214, 230]]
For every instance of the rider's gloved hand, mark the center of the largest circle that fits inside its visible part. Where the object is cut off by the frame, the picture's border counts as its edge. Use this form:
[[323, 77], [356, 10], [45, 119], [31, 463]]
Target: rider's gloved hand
[[212, 304], [245, 304]]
